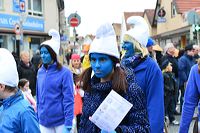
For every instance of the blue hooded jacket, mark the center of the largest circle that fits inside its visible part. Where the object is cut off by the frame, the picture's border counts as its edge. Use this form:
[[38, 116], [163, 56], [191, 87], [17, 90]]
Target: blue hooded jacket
[[149, 78], [17, 116], [191, 99], [55, 96]]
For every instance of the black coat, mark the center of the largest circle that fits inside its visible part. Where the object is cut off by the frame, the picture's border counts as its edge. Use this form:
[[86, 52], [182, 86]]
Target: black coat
[[29, 73], [174, 62]]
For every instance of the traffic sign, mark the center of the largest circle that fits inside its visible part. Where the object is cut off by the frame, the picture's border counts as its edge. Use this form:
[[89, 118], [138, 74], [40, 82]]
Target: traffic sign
[[74, 22], [22, 5], [17, 29]]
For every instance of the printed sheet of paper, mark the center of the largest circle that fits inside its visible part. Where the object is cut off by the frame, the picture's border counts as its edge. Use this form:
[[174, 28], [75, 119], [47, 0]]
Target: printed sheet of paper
[[111, 112]]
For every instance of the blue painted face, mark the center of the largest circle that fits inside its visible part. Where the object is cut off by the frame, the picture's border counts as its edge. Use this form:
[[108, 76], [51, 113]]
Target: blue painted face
[[45, 55], [128, 47], [101, 64]]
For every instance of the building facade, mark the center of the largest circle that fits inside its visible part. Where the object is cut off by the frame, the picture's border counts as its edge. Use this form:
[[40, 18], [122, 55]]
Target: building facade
[[34, 18]]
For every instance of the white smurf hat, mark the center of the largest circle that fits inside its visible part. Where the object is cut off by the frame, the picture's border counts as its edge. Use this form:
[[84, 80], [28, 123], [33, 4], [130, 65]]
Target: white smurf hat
[[8, 69], [140, 30], [105, 41], [54, 42]]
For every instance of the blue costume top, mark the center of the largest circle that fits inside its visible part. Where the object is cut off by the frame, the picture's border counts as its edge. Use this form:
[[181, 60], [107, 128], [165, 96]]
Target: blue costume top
[[191, 99], [55, 96], [136, 121], [17, 116], [149, 78]]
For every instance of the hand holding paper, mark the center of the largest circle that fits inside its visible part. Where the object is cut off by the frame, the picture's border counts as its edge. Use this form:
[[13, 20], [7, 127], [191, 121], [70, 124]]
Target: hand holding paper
[[111, 112]]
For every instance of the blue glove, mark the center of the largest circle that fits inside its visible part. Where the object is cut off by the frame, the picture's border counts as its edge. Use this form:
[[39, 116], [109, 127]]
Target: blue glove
[[103, 131], [67, 129]]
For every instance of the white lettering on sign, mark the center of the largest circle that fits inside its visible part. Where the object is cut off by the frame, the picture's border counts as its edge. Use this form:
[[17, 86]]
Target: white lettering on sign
[[12, 22], [3, 21]]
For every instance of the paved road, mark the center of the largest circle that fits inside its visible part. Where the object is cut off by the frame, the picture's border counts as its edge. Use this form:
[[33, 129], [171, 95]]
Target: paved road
[[174, 128]]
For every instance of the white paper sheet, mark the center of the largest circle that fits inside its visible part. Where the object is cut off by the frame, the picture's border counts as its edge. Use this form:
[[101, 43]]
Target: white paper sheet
[[111, 112]]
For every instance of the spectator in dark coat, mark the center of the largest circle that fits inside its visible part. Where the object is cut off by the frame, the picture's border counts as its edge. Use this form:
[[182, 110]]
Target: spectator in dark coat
[[169, 54], [27, 70], [16, 57], [36, 59], [185, 63], [170, 87]]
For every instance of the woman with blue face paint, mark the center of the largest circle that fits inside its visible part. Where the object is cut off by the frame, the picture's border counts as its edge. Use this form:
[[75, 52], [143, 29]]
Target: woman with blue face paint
[[147, 72], [108, 75], [55, 96]]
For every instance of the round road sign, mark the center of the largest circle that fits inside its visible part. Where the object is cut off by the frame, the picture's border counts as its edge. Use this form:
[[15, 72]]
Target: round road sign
[[74, 22]]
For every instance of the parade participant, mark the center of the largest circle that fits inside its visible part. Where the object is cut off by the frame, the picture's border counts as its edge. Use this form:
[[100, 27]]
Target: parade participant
[[24, 86], [16, 114], [147, 72], [108, 75], [170, 87], [55, 95], [191, 99]]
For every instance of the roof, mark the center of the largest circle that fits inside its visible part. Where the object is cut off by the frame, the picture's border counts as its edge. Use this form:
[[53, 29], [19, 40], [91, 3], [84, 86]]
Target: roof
[[150, 15], [185, 5], [129, 14]]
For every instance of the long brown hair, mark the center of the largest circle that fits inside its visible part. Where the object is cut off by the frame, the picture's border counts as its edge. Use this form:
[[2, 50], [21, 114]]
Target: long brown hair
[[53, 56], [119, 82]]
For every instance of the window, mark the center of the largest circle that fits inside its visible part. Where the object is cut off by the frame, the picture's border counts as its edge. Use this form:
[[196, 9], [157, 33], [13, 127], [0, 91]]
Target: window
[[1, 4], [35, 8], [173, 9]]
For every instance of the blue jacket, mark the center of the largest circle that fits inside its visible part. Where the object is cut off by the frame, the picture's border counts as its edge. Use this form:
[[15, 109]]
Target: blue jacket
[[149, 78], [55, 96], [17, 116], [184, 65], [191, 99], [136, 121]]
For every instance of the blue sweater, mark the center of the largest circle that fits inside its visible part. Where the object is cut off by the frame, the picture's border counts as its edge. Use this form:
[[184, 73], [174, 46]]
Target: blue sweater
[[136, 121], [55, 96], [17, 116], [149, 78], [191, 99]]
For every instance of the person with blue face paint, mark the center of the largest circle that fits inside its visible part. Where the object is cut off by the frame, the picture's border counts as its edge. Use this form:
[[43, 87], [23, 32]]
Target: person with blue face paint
[[55, 93], [148, 74], [104, 75]]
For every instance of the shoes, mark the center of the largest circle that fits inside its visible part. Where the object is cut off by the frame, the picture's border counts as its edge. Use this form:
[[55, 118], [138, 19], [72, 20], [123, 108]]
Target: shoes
[[175, 122]]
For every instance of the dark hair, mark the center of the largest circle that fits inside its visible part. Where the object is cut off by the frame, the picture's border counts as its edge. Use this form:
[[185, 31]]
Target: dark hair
[[119, 82], [22, 82], [53, 56], [10, 88]]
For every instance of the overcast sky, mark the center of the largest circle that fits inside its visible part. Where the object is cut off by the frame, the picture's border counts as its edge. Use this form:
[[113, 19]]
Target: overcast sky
[[95, 12]]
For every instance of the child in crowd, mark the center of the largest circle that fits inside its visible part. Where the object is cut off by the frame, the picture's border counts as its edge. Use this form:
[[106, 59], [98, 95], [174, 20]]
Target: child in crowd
[[76, 68], [169, 91], [24, 86]]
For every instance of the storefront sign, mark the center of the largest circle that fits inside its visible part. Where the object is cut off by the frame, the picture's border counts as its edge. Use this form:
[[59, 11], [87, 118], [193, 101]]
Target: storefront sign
[[33, 24]]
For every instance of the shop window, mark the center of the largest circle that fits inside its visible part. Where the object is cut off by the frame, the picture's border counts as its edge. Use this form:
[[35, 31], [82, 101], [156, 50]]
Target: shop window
[[173, 9], [35, 8], [1, 4]]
